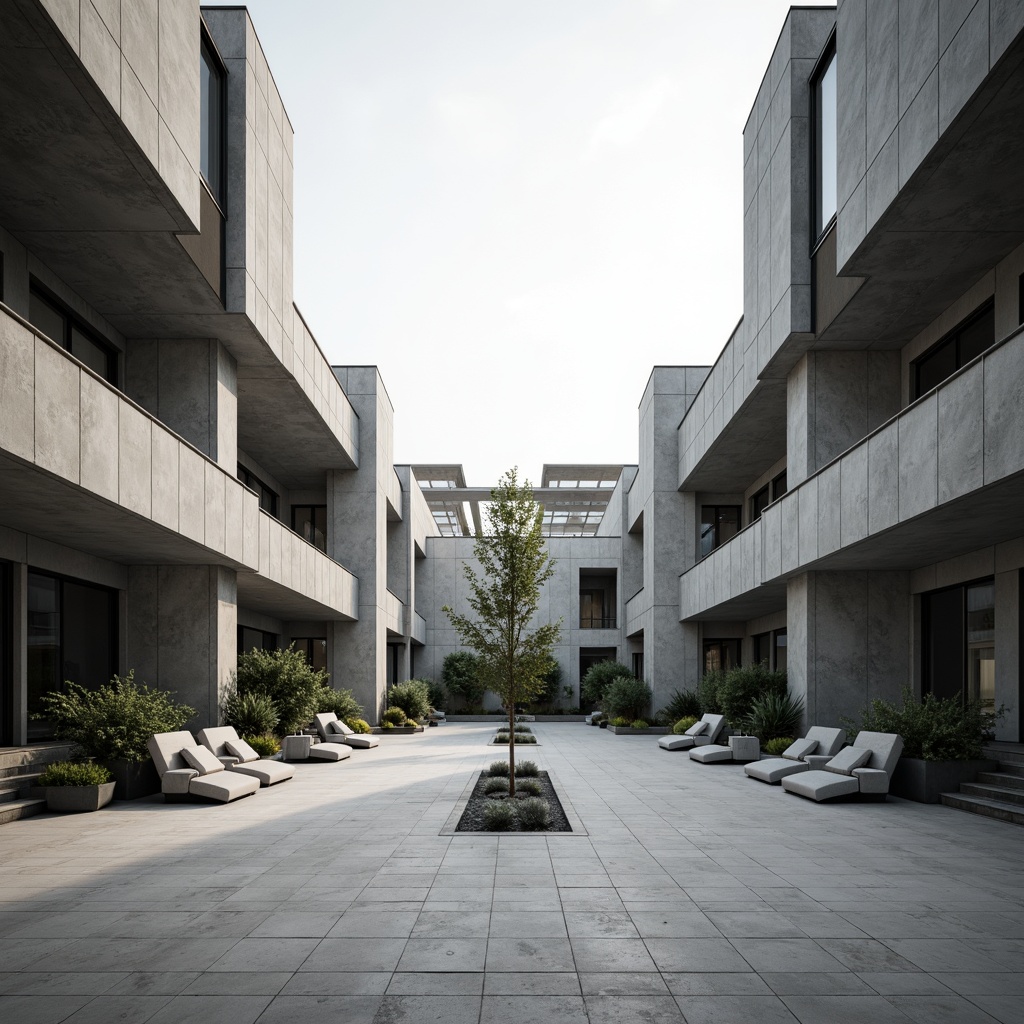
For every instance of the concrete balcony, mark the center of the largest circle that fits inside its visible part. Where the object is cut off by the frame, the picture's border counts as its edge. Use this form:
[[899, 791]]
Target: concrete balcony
[[394, 614], [635, 608], [417, 627]]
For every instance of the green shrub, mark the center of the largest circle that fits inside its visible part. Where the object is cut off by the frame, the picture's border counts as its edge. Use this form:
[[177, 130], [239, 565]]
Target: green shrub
[[502, 737], [495, 786], [682, 704], [522, 729], [638, 723], [114, 721], [251, 713], [74, 773], [393, 717], [598, 678], [627, 697], [683, 724], [742, 686], [528, 787], [533, 814], [341, 702], [460, 674], [776, 746], [526, 739], [708, 693], [620, 722], [527, 770], [265, 746], [387, 725], [933, 729], [551, 675], [596, 718], [774, 715], [499, 816], [498, 768], [357, 725], [437, 693], [287, 679], [412, 696]]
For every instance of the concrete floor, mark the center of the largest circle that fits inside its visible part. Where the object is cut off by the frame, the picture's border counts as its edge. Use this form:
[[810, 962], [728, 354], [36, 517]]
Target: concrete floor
[[697, 895]]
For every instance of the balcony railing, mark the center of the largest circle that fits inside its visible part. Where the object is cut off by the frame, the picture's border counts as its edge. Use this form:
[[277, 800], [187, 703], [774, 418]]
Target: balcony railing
[[598, 622]]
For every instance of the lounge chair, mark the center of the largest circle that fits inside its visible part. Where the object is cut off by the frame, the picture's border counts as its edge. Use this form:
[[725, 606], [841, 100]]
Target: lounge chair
[[739, 748], [865, 767], [188, 769], [332, 731], [703, 732], [237, 756], [820, 742]]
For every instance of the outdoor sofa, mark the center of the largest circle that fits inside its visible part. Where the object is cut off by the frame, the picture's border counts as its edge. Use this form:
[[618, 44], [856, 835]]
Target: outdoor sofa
[[188, 769], [863, 768], [819, 746], [237, 756], [333, 731], [703, 732]]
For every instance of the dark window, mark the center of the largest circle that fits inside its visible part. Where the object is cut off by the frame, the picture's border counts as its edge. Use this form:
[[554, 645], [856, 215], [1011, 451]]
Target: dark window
[[780, 659], [763, 649], [268, 498], [718, 523], [759, 502], [638, 664], [1020, 299], [211, 119], [6, 658], [250, 639], [58, 323], [721, 655], [823, 93], [770, 650], [976, 334], [310, 522], [598, 592], [959, 642], [590, 656], [779, 486], [314, 648]]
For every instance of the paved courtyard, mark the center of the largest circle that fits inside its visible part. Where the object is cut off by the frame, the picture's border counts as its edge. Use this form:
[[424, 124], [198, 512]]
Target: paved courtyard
[[695, 895]]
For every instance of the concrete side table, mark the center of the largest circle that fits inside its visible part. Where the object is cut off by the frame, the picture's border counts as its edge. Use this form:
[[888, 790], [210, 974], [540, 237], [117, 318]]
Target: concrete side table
[[296, 748], [745, 748]]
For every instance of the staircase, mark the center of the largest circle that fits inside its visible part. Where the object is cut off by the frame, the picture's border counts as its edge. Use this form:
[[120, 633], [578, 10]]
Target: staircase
[[20, 768], [998, 794]]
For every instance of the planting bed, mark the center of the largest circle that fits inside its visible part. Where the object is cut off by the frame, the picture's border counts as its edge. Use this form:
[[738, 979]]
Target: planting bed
[[472, 819]]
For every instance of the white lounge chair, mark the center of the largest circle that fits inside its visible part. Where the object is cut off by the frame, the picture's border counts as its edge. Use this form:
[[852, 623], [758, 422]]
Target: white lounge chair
[[698, 735], [332, 731], [188, 769], [739, 748], [820, 741], [237, 756], [865, 767]]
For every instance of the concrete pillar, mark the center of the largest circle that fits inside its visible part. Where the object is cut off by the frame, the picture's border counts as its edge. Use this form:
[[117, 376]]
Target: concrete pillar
[[849, 641], [19, 653], [192, 386], [1008, 654], [182, 633]]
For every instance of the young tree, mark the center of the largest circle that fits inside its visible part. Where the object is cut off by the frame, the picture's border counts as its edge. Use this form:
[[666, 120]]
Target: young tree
[[514, 566]]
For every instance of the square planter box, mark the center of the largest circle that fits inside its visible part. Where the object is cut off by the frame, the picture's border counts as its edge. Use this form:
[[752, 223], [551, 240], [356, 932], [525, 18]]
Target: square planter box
[[625, 730], [399, 730], [79, 798], [134, 779], [923, 781]]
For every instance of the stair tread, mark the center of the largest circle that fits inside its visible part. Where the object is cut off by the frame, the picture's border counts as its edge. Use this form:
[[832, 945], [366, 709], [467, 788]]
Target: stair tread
[[16, 809], [981, 805], [985, 788]]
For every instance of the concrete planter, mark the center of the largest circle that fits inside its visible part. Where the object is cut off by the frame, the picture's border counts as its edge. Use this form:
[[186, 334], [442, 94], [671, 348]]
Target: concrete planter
[[399, 730], [79, 798], [924, 781], [135, 779], [625, 730]]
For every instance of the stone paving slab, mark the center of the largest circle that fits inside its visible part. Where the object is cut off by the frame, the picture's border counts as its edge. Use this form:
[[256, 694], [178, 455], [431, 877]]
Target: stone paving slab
[[691, 894]]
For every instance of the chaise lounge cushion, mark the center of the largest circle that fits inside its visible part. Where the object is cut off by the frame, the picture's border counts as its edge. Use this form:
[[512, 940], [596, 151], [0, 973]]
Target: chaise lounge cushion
[[799, 749], [846, 760], [822, 739], [712, 725], [224, 741], [697, 729], [883, 749], [242, 750], [178, 779], [711, 753], [202, 760], [332, 729]]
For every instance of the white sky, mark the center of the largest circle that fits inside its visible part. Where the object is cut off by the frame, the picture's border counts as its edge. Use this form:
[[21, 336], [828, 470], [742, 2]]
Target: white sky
[[516, 208]]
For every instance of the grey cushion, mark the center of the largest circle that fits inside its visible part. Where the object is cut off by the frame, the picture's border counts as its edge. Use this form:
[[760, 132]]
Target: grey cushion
[[361, 741], [716, 723], [339, 727], [820, 785], [799, 749], [165, 748], [885, 748], [202, 760], [774, 769], [711, 753], [697, 728], [176, 781], [224, 786], [329, 752], [675, 742], [267, 772], [830, 741], [846, 760], [241, 750]]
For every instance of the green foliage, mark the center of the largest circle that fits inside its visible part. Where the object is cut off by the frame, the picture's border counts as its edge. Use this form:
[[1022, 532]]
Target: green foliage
[[393, 716], [74, 773], [265, 746], [776, 746], [359, 725], [412, 696], [708, 693], [682, 704], [460, 674], [933, 729], [527, 770], [114, 721], [620, 722], [551, 676], [742, 686], [287, 679], [495, 786], [683, 724], [627, 697], [437, 693], [533, 814], [773, 715], [520, 729], [341, 702], [498, 768], [254, 713], [598, 678], [387, 725], [531, 787], [513, 655], [638, 723], [526, 739], [500, 817]]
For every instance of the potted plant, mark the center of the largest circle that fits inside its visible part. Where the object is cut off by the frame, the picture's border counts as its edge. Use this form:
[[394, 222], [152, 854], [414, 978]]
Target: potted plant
[[77, 786], [112, 725]]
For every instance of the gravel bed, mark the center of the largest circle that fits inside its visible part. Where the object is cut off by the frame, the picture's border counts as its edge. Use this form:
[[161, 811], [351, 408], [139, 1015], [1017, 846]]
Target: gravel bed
[[472, 819]]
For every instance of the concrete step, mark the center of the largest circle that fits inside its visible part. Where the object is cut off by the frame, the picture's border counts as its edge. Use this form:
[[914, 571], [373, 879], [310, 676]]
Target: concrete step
[[1012, 813], [17, 809], [1004, 794], [1004, 754], [16, 787], [18, 760], [1007, 779]]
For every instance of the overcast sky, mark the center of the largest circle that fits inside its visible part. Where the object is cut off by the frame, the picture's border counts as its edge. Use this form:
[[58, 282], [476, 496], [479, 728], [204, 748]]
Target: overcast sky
[[515, 208]]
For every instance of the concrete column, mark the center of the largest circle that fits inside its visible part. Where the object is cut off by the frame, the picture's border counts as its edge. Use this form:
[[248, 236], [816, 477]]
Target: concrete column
[[192, 386], [182, 633], [849, 641], [1008, 655], [19, 643]]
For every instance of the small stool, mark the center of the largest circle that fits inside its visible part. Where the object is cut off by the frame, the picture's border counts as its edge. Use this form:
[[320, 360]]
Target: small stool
[[296, 748], [745, 748]]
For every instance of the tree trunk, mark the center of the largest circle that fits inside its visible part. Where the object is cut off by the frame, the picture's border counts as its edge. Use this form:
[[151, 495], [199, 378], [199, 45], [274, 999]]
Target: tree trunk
[[512, 750]]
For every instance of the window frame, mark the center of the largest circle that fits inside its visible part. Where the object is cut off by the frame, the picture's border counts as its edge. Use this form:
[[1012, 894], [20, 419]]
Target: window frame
[[215, 121], [825, 62], [247, 478], [717, 542], [952, 338], [73, 322], [308, 540]]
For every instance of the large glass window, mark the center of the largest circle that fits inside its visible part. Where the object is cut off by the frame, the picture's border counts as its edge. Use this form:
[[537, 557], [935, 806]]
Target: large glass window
[[597, 598], [310, 522], [314, 648], [268, 497], [823, 90], [721, 655], [959, 642], [59, 324], [250, 639], [211, 120], [967, 341], [718, 523]]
